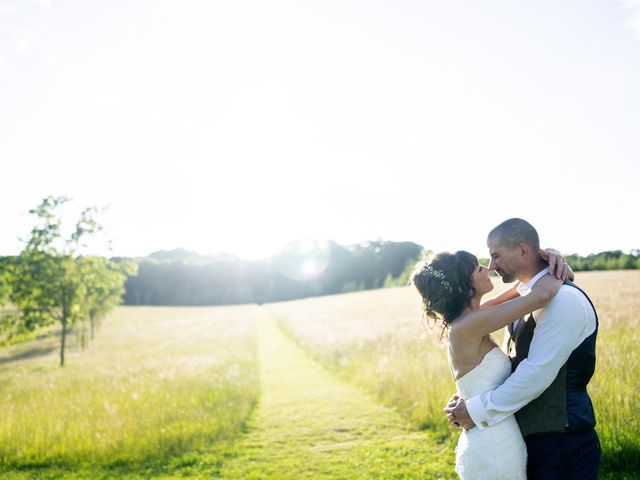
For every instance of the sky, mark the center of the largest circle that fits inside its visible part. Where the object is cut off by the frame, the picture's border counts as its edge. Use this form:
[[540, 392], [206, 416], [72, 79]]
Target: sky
[[239, 126]]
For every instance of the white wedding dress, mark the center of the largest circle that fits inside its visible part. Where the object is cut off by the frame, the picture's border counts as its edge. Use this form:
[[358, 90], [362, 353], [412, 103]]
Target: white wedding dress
[[499, 451]]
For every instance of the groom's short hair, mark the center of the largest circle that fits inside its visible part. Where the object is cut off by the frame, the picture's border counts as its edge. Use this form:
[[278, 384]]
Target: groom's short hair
[[514, 231]]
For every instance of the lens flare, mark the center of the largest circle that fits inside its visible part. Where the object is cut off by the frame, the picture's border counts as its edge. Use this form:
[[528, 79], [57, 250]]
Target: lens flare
[[303, 260]]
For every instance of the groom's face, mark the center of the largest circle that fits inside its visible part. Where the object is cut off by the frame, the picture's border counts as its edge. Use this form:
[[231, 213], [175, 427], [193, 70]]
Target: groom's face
[[505, 261]]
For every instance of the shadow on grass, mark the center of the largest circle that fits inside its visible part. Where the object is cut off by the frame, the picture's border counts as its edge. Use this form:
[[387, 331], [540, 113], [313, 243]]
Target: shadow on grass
[[621, 464], [27, 354], [44, 342], [196, 463]]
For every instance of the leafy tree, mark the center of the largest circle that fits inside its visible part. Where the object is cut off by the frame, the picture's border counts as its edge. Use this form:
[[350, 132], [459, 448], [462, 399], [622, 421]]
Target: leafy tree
[[5, 294], [103, 280], [47, 282], [403, 278], [5, 281]]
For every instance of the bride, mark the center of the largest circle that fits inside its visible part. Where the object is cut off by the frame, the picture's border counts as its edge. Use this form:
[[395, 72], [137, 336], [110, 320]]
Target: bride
[[451, 286]]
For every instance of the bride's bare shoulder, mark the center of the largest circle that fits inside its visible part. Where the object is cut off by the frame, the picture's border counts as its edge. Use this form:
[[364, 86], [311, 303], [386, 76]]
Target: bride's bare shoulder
[[461, 327]]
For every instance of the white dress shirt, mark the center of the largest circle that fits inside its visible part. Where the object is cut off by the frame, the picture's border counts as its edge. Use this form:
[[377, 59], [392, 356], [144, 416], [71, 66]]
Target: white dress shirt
[[560, 327]]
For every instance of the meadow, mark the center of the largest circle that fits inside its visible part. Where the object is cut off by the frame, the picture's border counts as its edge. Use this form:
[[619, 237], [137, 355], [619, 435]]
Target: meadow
[[343, 386], [377, 340], [155, 386]]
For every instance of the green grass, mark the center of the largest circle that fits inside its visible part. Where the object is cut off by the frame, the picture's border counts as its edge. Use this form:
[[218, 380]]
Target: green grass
[[155, 385], [311, 425], [376, 340], [615, 389]]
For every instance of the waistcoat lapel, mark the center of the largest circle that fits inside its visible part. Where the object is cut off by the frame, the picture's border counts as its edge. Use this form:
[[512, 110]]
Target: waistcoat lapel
[[515, 334]]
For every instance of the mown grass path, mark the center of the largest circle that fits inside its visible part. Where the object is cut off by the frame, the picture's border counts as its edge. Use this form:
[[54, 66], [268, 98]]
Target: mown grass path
[[311, 425]]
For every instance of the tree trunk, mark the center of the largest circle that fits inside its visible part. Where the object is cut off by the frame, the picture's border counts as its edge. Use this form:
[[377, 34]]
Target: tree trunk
[[83, 335], [62, 340]]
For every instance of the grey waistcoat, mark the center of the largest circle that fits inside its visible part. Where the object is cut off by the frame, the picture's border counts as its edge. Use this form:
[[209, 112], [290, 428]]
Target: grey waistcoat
[[565, 405]]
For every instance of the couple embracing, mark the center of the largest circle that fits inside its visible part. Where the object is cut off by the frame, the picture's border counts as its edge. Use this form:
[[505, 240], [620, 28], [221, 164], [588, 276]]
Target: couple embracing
[[525, 411]]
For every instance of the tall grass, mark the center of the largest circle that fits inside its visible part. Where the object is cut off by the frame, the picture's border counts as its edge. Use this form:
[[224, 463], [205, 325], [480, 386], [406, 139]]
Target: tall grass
[[155, 383], [615, 389], [376, 339]]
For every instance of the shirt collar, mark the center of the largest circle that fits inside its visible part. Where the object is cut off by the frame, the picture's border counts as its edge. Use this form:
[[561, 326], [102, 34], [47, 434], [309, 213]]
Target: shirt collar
[[526, 289]]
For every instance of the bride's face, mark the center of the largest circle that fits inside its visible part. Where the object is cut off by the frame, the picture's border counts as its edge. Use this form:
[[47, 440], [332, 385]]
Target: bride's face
[[481, 281]]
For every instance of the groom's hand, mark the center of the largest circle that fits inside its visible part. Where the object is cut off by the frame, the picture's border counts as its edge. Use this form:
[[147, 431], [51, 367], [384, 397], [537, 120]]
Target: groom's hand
[[457, 413]]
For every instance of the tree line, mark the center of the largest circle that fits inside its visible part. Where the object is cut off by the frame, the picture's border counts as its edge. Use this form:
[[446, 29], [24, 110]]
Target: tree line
[[179, 277], [610, 260], [51, 281]]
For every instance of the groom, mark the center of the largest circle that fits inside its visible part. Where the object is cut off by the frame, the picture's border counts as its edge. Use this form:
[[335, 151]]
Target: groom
[[553, 358]]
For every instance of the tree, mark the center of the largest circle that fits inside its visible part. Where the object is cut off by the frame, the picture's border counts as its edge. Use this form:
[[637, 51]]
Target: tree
[[404, 277], [47, 282], [104, 282], [5, 293], [5, 281]]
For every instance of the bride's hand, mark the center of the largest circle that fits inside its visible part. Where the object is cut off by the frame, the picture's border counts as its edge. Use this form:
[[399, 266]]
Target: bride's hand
[[457, 413], [558, 265]]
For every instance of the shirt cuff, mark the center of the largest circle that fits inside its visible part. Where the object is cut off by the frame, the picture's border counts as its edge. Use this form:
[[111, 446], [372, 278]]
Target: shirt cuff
[[478, 413]]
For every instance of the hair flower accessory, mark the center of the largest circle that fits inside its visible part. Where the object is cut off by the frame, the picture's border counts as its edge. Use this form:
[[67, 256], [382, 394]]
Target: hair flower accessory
[[429, 271]]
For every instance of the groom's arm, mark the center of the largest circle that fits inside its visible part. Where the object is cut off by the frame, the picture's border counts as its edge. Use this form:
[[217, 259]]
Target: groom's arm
[[560, 328]]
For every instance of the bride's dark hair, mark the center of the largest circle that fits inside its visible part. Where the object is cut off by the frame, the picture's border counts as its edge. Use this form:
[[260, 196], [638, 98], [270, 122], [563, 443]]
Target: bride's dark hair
[[444, 282]]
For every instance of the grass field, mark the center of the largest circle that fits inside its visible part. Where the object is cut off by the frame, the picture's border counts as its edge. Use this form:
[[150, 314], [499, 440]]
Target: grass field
[[354, 389], [375, 339], [156, 385]]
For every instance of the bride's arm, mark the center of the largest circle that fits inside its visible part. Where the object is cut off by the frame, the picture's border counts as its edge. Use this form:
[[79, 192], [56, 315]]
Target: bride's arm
[[486, 320], [508, 294]]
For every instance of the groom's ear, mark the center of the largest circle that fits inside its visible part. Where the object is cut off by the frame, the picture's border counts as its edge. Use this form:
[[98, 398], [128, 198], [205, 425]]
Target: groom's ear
[[524, 249]]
